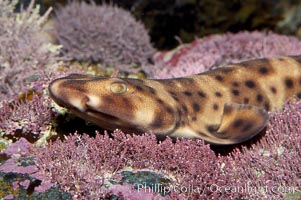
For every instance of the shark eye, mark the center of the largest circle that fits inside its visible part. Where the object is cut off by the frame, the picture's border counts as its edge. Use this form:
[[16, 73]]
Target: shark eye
[[118, 88]]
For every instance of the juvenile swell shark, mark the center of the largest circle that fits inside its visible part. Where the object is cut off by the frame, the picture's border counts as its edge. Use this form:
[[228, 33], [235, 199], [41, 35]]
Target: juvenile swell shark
[[227, 105]]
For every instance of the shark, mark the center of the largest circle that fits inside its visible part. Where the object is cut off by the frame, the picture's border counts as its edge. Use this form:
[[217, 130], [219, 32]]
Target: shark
[[224, 106]]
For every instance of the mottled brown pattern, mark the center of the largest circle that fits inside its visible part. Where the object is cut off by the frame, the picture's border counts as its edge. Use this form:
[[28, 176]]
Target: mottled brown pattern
[[215, 106], [235, 92], [201, 94], [218, 94], [289, 83], [238, 123], [266, 106], [212, 128], [187, 93], [250, 83], [196, 107], [219, 78], [235, 84], [273, 89]]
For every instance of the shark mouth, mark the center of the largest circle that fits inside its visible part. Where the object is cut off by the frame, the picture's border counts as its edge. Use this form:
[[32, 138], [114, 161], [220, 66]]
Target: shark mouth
[[104, 120]]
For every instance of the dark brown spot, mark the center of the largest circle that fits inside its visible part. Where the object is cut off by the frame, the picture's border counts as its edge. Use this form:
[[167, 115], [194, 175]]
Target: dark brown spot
[[215, 106], [235, 92], [193, 118], [289, 83], [169, 110], [174, 95], [201, 94], [259, 98], [246, 100], [212, 128], [266, 106], [179, 112], [175, 98], [263, 70], [300, 81], [235, 84], [138, 87], [160, 101], [247, 127], [187, 93], [219, 78], [273, 90], [238, 123], [152, 90], [299, 95], [196, 107], [218, 94], [184, 107], [250, 84]]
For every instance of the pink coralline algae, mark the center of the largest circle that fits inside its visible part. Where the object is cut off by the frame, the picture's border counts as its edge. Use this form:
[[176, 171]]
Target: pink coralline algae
[[20, 177], [23, 50], [217, 50], [91, 170], [270, 168], [25, 118], [103, 33], [17, 149]]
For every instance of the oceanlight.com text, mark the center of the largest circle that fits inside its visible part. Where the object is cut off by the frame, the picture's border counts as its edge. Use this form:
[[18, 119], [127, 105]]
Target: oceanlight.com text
[[229, 189]]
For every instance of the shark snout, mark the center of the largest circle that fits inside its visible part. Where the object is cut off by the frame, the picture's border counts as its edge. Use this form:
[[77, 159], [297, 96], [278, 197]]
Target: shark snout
[[67, 96]]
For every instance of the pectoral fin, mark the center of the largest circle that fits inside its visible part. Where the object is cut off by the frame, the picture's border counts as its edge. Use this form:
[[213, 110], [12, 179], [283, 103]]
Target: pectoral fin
[[239, 123]]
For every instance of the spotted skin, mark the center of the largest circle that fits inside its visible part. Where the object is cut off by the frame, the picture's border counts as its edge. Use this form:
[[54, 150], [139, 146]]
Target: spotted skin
[[224, 106]]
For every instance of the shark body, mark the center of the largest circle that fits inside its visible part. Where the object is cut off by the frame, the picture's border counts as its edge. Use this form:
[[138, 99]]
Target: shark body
[[228, 105]]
